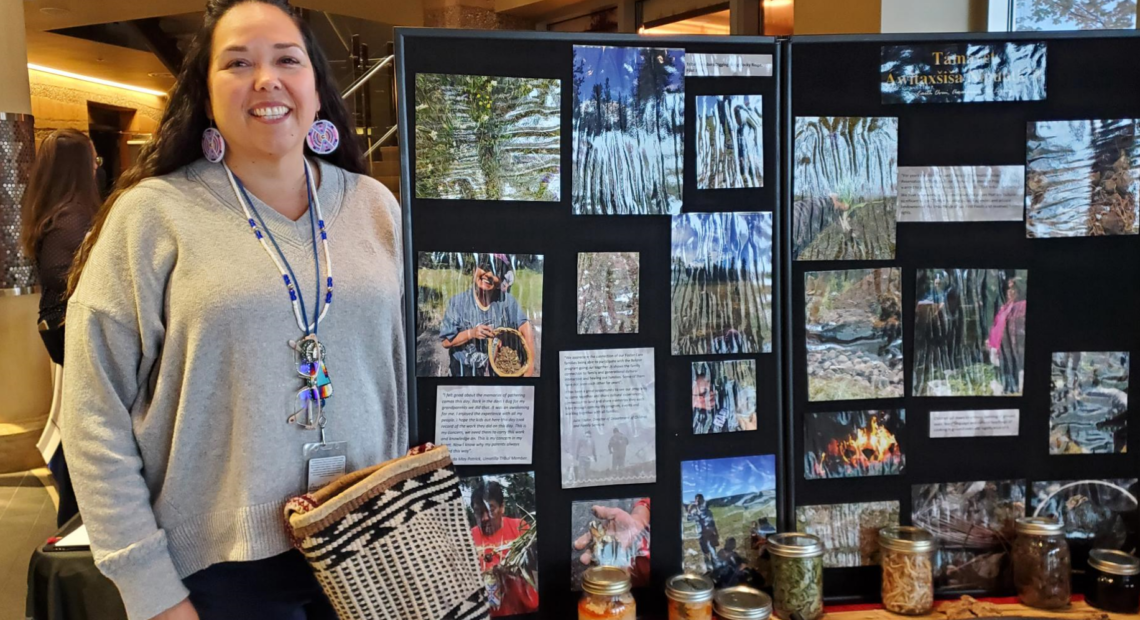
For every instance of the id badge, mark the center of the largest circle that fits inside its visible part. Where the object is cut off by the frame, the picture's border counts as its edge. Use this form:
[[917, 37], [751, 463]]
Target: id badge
[[325, 462]]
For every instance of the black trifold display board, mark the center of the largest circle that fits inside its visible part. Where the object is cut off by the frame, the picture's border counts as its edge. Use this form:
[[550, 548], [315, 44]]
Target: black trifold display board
[[1081, 293]]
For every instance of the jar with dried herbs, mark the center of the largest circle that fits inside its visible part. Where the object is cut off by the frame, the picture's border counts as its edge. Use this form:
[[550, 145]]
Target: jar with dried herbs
[[797, 575], [690, 597], [1041, 563], [908, 569], [605, 595], [742, 603]]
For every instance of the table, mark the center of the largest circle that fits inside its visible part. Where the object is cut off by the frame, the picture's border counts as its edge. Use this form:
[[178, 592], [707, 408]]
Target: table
[[1078, 610], [65, 585]]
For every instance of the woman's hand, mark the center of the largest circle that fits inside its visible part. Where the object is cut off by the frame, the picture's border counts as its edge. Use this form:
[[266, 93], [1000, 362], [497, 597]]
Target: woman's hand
[[182, 611]]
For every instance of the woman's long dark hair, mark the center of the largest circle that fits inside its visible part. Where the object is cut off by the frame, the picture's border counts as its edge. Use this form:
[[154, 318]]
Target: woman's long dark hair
[[177, 142], [64, 173]]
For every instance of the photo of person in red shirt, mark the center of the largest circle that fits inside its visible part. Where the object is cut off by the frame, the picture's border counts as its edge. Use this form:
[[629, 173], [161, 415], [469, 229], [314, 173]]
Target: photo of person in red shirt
[[505, 545]]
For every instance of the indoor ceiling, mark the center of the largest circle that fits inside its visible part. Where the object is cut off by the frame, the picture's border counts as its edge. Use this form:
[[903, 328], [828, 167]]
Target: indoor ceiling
[[127, 62]]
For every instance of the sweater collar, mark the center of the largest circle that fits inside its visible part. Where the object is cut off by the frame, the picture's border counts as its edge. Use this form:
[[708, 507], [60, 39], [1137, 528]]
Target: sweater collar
[[330, 192]]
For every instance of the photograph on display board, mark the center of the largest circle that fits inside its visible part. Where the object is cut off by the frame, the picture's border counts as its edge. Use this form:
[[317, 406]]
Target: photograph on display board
[[1089, 412], [724, 397], [730, 141], [1080, 178], [728, 510], [845, 178], [850, 532], [629, 126], [478, 315], [608, 299], [610, 532], [503, 515], [974, 523], [854, 334], [721, 284], [853, 444], [969, 332], [481, 137], [1097, 514], [607, 417]]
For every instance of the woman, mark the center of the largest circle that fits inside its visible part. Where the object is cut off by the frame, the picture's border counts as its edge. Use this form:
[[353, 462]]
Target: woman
[[195, 311], [59, 203]]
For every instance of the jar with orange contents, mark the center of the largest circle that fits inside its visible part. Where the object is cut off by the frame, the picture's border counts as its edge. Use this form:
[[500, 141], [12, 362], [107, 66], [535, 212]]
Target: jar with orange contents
[[605, 595], [742, 603], [690, 597]]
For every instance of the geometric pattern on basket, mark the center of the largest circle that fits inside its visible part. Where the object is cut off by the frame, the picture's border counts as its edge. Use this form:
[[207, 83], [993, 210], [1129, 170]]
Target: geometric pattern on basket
[[379, 517], [402, 555]]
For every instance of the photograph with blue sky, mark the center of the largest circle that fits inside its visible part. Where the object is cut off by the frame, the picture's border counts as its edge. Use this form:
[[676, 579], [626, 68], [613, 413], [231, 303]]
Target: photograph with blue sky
[[721, 286], [628, 130], [728, 510]]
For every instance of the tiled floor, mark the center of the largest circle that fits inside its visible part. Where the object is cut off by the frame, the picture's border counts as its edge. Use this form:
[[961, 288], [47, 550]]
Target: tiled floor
[[27, 518]]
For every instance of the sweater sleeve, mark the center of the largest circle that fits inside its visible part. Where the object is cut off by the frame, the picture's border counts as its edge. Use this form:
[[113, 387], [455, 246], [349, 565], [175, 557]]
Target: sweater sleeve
[[400, 432], [114, 334]]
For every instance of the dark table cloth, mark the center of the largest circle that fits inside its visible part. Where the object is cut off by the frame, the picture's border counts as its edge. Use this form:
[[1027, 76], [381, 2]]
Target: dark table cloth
[[65, 585]]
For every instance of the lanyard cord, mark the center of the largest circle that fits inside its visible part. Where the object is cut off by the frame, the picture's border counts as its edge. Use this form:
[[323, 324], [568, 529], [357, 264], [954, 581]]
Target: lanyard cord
[[316, 220]]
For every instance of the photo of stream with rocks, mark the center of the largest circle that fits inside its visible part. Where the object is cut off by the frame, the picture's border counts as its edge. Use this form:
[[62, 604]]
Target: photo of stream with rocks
[[854, 334]]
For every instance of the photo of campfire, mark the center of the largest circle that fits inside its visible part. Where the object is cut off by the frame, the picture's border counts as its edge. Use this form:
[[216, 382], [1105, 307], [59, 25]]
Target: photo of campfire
[[974, 524], [610, 532], [478, 315], [1080, 178], [850, 532], [854, 334], [1089, 414], [504, 527], [853, 444]]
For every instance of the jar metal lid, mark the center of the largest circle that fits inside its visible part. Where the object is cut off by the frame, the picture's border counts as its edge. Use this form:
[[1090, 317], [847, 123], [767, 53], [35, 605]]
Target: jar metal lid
[[906, 539], [1114, 562], [605, 581], [1039, 526], [742, 603], [795, 545], [689, 588]]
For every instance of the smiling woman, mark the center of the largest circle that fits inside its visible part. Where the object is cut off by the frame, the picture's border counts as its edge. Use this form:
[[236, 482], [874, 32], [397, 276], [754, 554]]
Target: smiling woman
[[201, 328]]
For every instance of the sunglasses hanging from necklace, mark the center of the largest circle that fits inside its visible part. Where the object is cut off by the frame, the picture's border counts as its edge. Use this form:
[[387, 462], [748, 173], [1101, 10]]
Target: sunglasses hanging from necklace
[[308, 352]]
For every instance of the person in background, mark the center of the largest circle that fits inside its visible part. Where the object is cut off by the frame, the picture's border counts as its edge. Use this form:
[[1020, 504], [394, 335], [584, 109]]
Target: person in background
[[618, 444], [202, 312], [59, 204], [508, 592]]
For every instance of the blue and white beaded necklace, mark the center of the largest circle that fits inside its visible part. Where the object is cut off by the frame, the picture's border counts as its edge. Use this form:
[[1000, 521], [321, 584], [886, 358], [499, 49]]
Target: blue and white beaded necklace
[[310, 350]]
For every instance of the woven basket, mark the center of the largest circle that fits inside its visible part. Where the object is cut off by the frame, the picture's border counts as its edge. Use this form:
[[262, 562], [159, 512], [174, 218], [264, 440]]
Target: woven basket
[[392, 542], [525, 350]]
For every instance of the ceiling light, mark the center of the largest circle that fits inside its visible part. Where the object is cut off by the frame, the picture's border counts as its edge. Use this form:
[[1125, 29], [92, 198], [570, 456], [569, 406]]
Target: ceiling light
[[95, 80], [54, 7]]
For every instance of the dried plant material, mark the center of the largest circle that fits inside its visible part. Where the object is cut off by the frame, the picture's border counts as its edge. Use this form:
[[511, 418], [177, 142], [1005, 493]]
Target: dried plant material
[[969, 607], [908, 582], [797, 587]]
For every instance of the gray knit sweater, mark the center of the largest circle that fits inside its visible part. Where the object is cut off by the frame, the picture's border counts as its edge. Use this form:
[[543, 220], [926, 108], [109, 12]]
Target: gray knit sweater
[[179, 377]]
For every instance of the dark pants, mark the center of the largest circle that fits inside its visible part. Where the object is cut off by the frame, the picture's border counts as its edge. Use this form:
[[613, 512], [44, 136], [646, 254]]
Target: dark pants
[[68, 508], [278, 588]]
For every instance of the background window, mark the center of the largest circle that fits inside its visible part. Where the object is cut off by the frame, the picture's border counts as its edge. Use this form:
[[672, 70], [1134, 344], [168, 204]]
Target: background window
[[1073, 14]]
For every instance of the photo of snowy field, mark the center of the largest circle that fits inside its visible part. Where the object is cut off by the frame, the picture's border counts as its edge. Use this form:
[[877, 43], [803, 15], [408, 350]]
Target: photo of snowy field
[[629, 121]]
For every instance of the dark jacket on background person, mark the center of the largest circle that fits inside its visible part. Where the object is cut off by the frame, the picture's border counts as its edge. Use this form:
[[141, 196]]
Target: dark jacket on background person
[[53, 260]]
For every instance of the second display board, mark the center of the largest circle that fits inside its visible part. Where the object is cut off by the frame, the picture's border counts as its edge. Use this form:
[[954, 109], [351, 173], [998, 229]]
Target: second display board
[[654, 273]]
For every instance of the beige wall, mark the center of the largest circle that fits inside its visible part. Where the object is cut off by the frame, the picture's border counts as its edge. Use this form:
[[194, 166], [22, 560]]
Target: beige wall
[[13, 59], [59, 102], [932, 15], [838, 16]]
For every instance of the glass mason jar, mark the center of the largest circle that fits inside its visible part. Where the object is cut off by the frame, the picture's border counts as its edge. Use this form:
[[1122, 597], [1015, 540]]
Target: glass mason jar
[[1115, 581], [605, 595], [908, 569], [742, 603], [797, 575], [1041, 563], [690, 597]]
